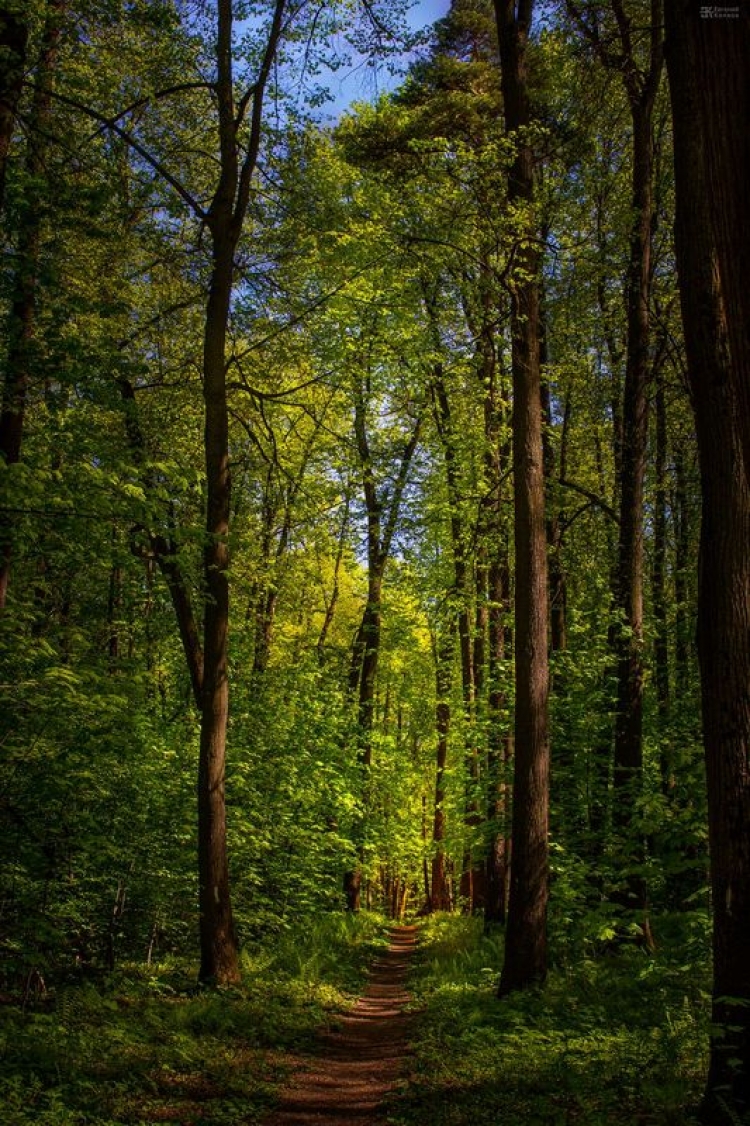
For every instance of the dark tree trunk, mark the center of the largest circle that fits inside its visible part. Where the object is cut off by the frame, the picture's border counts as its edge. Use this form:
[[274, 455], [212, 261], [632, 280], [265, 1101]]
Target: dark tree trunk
[[440, 897], [14, 34], [497, 459], [225, 217], [164, 553], [21, 325], [558, 585], [641, 88], [219, 957], [526, 931], [659, 577], [681, 564], [472, 876], [330, 604], [366, 649], [499, 742], [720, 42], [724, 582], [628, 753]]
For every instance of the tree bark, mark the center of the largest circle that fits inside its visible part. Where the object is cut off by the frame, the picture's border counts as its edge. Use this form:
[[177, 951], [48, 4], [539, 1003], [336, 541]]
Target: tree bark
[[440, 897], [219, 956], [24, 305], [472, 875], [720, 44], [659, 578], [366, 649], [526, 932], [14, 35], [224, 220], [724, 580]]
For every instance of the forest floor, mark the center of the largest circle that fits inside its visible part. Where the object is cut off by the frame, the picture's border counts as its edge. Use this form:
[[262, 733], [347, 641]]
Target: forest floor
[[357, 1063], [346, 1020]]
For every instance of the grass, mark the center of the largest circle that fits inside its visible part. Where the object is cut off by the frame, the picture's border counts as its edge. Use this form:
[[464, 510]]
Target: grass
[[616, 1040], [144, 1047]]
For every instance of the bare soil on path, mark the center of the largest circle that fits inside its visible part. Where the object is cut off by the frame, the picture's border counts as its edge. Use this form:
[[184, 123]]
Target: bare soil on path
[[357, 1064]]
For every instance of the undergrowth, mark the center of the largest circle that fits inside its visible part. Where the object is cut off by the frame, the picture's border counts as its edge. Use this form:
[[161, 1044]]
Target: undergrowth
[[618, 1039], [144, 1046]]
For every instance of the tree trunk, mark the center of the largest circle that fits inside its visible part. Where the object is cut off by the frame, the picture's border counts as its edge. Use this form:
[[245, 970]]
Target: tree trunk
[[440, 898], [724, 582], [526, 932], [681, 564], [500, 743], [659, 578], [641, 89], [720, 42], [472, 875], [14, 34], [23, 312], [628, 754], [558, 586], [497, 458], [366, 649], [219, 961]]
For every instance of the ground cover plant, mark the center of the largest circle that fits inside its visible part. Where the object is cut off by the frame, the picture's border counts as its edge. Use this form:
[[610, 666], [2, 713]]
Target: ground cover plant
[[616, 1039], [144, 1045]]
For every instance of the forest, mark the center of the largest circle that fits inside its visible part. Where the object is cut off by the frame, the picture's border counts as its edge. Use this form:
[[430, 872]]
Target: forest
[[375, 551]]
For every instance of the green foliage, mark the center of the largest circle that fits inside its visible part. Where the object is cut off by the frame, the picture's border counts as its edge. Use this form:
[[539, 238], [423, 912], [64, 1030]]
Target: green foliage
[[144, 1046], [617, 1039]]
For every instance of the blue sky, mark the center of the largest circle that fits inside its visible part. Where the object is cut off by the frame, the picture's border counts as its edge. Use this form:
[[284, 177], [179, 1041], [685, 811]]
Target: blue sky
[[360, 82]]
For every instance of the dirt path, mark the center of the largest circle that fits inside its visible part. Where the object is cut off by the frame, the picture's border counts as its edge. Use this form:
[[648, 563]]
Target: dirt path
[[357, 1065]]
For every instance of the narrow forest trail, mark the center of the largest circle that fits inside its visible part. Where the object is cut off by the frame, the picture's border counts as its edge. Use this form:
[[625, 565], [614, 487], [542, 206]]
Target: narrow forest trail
[[356, 1066]]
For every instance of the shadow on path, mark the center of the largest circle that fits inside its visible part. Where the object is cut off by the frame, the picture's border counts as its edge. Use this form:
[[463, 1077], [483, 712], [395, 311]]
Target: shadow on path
[[356, 1065]]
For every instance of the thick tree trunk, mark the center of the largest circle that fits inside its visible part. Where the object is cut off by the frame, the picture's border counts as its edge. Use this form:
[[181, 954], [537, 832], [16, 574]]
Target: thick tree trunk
[[724, 583], [526, 932], [720, 43]]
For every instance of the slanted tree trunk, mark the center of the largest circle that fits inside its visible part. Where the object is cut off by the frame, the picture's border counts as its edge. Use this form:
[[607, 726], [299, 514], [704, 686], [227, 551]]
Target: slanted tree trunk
[[724, 582], [526, 931]]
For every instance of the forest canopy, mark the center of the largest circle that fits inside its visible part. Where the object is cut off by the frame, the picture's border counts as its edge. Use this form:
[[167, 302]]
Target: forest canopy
[[374, 495]]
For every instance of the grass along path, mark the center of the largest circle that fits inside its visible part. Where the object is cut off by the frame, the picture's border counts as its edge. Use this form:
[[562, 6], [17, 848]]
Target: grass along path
[[357, 1063], [142, 1046], [614, 1040]]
